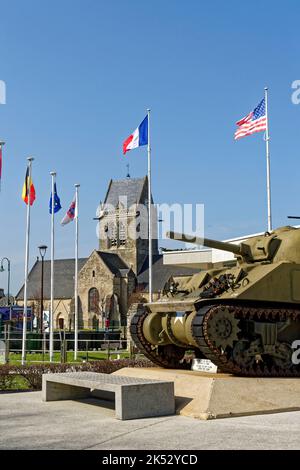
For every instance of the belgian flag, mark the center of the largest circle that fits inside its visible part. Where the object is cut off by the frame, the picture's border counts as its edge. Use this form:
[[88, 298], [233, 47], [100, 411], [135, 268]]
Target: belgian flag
[[28, 188]]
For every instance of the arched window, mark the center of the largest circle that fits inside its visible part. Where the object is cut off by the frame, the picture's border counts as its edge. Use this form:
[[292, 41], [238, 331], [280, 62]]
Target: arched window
[[113, 234], [122, 233], [94, 300]]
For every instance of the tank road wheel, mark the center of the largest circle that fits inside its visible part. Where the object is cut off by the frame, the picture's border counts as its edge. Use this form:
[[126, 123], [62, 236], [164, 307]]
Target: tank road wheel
[[282, 356], [223, 328], [169, 356], [241, 354]]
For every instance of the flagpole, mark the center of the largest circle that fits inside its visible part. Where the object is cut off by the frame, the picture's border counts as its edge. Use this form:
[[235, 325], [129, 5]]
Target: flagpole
[[53, 175], [267, 138], [76, 273], [1, 162], [149, 210], [28, 183]]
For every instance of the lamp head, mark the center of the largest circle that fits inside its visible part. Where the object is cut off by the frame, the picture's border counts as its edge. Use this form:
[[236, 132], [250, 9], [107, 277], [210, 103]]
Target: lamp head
[[43, 249]]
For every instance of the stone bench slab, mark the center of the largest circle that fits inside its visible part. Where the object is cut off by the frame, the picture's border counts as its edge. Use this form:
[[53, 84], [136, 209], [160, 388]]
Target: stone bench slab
[[134, 397]]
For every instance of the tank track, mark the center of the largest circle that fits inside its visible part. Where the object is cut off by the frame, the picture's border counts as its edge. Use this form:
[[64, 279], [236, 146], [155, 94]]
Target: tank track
[[170, 357], [200, 332]]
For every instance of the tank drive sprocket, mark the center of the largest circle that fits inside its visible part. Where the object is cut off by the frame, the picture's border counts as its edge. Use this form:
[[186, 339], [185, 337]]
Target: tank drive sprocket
[[223, 328]]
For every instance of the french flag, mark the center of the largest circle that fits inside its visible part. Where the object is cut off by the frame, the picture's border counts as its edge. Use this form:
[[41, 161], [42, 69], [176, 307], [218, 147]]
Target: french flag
[[138, 137]]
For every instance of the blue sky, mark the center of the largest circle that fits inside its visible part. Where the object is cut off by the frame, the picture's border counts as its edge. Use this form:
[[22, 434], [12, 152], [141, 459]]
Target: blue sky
[[80, 75]]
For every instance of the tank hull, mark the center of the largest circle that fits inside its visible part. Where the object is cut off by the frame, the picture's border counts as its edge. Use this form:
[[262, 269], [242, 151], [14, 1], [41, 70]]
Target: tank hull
[[245, 319]]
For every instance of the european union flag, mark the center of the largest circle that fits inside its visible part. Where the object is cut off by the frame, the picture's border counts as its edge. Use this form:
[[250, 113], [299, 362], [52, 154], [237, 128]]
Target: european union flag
[[57, 205]]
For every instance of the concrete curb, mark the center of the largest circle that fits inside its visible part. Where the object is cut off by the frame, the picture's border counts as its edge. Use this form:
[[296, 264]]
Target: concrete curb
[[208, 396]]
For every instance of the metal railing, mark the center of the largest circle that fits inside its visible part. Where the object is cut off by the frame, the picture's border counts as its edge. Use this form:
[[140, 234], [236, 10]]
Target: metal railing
[[88, 349]]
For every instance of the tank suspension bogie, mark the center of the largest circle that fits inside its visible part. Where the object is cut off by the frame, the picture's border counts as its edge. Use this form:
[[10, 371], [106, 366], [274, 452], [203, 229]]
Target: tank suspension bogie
[[245, 340]]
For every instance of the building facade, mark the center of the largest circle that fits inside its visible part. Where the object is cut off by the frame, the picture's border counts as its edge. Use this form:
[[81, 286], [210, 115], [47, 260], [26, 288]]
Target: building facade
[[115, 274]]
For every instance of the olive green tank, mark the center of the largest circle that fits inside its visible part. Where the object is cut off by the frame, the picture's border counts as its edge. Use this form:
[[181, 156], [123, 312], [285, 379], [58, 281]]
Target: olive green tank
[[245, 318]]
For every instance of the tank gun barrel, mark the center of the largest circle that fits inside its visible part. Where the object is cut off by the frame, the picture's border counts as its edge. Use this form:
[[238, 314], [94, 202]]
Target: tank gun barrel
[[236, 249]]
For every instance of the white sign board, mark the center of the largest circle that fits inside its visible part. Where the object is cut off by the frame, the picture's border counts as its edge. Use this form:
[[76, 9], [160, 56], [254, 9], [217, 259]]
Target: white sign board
[[2, 352], [204, 365], [46, 320]]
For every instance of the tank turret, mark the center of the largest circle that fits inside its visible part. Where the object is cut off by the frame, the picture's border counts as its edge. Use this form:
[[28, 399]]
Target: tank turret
[[245, 318]]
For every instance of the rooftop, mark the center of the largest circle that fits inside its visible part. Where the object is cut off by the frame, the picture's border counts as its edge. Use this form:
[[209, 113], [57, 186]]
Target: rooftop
[[131, 188], [64, 279]]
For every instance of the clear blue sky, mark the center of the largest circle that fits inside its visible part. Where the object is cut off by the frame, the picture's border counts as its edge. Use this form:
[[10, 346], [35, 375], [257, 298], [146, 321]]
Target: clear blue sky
[[80, 75]]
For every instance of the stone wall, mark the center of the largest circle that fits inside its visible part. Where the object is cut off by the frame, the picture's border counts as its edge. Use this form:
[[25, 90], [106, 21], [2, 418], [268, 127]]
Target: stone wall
[[94, 274], [62, 310]]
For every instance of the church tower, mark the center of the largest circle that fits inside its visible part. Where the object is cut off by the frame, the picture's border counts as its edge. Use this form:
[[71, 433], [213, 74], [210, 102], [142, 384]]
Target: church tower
[[123, 222]]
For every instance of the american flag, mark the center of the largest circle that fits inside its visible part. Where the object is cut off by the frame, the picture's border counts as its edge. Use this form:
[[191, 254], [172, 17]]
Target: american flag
[[254, 122]]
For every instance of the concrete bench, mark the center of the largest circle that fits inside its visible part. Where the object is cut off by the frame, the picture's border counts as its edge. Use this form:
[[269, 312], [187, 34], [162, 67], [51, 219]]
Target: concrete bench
[[134, 397]]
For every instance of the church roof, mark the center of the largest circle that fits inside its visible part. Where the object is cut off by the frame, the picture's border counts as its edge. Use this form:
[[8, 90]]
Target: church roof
[[64, 276], [130, 187], [114, 263], [64, 279], [161, 273]]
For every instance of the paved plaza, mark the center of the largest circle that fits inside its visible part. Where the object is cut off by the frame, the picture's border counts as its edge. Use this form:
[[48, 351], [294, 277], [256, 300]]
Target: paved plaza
[[28, 423]]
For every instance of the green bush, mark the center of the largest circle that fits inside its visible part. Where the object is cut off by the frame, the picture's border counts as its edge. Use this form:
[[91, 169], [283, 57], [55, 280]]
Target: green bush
[[7, 377], [33, 373]]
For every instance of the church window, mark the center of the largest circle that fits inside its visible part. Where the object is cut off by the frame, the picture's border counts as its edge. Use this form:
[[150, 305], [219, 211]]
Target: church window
[[93, 300], [113, 235], [93, 274], [122, 233]]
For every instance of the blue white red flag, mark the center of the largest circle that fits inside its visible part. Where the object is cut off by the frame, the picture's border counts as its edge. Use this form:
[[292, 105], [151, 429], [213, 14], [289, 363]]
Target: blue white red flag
[[254, 122], [138, 138], [71, 213]]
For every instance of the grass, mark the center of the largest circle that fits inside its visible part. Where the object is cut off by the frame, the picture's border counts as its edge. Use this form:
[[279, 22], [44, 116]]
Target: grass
[[19, 383], [15, 382], [15, 358]]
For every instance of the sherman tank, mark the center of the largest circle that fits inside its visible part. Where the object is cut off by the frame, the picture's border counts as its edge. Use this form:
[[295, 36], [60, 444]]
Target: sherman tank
[[244, 318]]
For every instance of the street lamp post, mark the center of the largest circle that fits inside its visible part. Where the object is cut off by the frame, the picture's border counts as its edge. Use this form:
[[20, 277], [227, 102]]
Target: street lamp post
[[8, 277], [43, 249]]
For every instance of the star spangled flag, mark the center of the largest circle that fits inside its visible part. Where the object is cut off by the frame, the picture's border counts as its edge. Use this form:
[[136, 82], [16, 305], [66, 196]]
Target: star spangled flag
[[71, 213], [138, 138], [255, 121], [57, 205]]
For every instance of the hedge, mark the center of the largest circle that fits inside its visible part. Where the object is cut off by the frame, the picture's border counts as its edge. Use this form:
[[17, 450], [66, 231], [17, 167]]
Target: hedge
[[33, 373]]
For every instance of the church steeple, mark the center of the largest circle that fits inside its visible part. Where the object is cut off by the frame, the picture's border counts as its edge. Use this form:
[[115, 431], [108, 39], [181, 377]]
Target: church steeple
[[124, 221]]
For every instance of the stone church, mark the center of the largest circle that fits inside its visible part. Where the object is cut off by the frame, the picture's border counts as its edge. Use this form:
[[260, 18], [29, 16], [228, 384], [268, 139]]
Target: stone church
[[115, 273]]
